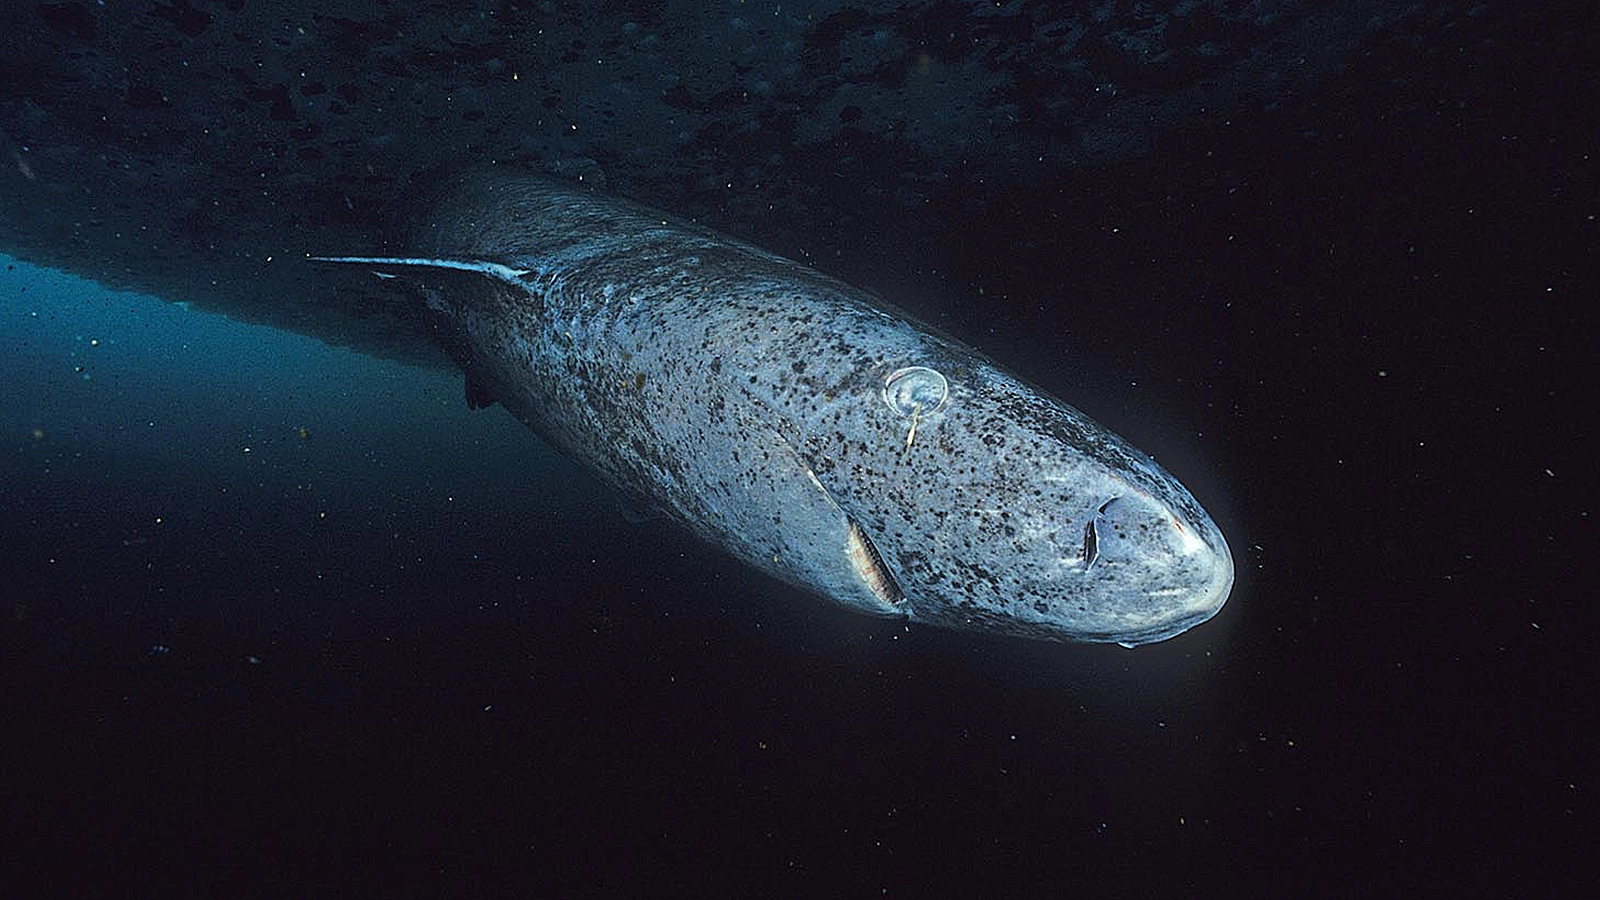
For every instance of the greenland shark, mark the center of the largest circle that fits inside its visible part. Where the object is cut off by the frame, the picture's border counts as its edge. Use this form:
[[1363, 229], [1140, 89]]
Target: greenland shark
[[800, 424]]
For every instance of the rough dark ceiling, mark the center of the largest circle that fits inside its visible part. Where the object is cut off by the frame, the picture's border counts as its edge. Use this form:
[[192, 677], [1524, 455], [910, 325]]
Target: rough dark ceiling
[[198, 148]]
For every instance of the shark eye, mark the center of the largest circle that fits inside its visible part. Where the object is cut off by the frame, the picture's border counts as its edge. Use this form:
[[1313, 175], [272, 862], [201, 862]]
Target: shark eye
[[915, 391]]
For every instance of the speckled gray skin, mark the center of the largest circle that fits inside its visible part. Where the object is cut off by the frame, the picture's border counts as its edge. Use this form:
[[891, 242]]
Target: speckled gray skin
[[745, 395]]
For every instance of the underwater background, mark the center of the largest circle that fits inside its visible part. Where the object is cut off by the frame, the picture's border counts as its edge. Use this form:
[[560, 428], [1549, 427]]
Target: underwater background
[[283, 617]]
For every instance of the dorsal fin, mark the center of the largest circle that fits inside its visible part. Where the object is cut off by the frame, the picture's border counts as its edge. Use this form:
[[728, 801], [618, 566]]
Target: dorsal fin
[[492, 269]]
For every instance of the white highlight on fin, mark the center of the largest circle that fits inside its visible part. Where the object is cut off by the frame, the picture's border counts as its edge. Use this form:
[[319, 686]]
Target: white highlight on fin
[[483, 267]]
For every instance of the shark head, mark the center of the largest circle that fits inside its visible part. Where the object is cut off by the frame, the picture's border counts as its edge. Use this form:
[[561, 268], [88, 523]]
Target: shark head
[[981, 503]]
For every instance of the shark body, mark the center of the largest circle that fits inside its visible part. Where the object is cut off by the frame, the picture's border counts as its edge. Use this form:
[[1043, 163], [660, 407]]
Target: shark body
[[790, 419]]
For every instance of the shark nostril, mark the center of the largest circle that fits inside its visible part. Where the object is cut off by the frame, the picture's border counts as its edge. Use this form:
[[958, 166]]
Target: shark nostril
[[1125, 529], [1092, 532]]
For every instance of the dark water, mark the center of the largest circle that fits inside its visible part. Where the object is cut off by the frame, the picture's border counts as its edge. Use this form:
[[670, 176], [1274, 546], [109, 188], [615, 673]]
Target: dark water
[[282, 620], [409, 637]]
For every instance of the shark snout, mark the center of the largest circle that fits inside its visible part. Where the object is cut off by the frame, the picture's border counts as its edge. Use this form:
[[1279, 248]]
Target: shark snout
[[1155, 572]]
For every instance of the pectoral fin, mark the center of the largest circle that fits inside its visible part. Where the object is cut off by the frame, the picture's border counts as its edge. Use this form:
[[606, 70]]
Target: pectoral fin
[[815, 541]]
